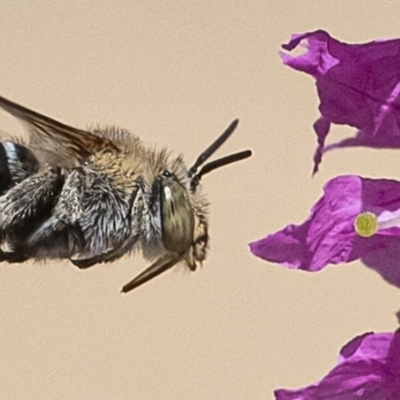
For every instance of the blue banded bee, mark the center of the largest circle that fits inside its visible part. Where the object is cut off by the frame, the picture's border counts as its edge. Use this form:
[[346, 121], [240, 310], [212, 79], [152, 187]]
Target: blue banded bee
[[92, 196]]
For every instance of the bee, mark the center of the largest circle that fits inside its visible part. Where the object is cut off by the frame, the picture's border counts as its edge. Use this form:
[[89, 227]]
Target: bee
[[93, 196]]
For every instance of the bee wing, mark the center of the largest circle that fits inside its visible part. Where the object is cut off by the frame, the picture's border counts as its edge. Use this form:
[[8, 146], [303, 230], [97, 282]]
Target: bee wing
[[54, 142]]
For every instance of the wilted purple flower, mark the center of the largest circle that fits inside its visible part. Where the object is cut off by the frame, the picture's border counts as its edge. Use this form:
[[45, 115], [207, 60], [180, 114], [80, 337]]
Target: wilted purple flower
[[356, 218], [358, 85], [368, 369]]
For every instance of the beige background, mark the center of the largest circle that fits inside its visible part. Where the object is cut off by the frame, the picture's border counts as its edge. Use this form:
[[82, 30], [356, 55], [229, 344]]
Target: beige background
[[177, 73]]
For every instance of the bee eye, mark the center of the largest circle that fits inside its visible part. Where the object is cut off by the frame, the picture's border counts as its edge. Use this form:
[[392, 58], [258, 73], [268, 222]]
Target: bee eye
[[176, 216]]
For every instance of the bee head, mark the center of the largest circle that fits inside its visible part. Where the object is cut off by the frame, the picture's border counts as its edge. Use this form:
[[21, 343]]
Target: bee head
[[183, 221]]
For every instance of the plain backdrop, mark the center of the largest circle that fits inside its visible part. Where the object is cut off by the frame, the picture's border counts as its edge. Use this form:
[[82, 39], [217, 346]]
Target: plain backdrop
[[177, 73]]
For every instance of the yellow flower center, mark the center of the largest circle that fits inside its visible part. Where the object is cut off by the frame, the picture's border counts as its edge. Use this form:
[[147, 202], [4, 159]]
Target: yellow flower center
[[366, 224]]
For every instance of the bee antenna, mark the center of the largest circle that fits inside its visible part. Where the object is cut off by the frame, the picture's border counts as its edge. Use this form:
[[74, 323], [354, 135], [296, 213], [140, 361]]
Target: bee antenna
[[213, 148], [220, 162], [224, 161]]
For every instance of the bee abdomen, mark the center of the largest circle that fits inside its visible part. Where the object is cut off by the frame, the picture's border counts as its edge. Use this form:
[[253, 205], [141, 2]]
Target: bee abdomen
[[16, 163]]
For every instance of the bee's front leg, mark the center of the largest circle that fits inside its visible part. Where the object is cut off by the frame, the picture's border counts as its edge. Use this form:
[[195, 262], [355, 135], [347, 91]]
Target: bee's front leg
[[133, 224], [106, 257]]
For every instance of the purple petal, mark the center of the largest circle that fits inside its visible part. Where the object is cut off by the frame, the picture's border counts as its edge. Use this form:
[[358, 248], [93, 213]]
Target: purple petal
[[328, 236], [367, 370], [358, 85], [393, 360], [367, 346], [384, 258]]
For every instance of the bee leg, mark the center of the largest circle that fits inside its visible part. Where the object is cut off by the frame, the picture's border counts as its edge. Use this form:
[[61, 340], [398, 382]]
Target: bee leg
[[76, 236], [13, 257], [134, 218], [106, 257], [65, 217], [85, 263], [28, 203], [23, 207], [71, 236]]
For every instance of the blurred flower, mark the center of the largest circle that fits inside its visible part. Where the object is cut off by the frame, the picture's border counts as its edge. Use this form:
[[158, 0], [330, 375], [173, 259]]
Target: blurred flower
[[368, 369], [356, 218], [358, 85]]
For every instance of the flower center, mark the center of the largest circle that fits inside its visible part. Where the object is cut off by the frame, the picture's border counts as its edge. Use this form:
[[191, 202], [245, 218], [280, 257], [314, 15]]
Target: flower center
[[366, 224]]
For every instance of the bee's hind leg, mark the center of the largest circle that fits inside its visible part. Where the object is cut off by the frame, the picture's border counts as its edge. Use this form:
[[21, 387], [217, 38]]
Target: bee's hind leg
[[23, 207], [13, 257], [30, 201]]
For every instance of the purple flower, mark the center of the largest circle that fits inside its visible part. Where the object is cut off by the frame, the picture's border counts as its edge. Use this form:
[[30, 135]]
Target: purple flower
[[358, 85], [368, 369], [356, 218]]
